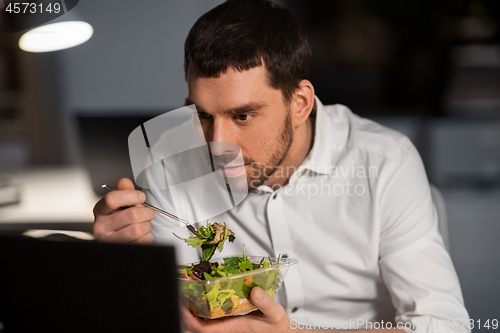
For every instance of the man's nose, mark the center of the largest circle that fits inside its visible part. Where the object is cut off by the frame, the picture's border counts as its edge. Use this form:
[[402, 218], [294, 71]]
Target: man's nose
[[222, 134], [221, 131]]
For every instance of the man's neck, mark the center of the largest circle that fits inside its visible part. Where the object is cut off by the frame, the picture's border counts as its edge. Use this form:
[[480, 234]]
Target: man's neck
[[302, 143]]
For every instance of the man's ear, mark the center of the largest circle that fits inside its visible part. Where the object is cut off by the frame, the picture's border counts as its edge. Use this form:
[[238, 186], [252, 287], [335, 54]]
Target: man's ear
[[302, 103]]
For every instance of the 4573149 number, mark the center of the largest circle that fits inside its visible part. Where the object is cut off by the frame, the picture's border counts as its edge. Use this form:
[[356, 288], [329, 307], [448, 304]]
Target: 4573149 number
[[473, 324], [33, 8]]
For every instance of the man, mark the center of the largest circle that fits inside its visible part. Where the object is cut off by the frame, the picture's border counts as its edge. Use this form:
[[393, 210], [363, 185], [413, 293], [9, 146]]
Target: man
[[346, 197]]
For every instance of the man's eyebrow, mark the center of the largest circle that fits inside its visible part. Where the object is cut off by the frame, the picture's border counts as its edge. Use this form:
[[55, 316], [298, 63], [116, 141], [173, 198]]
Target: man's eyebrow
[[246, 108], [252, 106]]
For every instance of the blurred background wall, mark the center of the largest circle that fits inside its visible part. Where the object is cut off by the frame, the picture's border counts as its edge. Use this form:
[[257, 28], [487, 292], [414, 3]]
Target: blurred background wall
[[430, 69]]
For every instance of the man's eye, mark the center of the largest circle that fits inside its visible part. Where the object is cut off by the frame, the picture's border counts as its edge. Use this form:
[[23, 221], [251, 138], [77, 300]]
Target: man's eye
[[243, 117], [203, 115]]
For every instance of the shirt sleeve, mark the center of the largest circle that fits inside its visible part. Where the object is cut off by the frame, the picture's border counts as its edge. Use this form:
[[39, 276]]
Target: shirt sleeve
[[414, 263]]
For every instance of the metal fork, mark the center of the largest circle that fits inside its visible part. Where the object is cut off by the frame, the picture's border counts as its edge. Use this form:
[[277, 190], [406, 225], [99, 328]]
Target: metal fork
[[172, 216]]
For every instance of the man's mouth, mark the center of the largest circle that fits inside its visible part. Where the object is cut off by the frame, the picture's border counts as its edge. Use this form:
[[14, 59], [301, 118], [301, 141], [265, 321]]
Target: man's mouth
[[232, 171]]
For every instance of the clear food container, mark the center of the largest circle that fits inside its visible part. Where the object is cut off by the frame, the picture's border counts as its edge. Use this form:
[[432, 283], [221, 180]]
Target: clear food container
[[229, 295]]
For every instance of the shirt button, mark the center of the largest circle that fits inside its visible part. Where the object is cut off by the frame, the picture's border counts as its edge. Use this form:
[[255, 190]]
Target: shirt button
[[284, 256], [295, 309], [275, 196]]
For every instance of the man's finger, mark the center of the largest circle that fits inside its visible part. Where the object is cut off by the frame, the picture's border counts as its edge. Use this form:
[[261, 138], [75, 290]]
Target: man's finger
[[190, 323], [130, 233], [266, 304], [104, 226], [126, 217], [125, 184], [146, 239], [118, 199]]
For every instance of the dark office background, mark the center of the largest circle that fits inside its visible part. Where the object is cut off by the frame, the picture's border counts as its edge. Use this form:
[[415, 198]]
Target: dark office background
[[430, 69]]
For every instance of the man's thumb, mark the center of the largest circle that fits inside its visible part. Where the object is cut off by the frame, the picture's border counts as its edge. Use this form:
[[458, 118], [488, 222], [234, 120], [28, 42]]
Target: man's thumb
[[264, 302]]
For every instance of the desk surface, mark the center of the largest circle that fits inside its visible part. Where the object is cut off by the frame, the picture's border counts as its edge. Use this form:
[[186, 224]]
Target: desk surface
[[61, 195]]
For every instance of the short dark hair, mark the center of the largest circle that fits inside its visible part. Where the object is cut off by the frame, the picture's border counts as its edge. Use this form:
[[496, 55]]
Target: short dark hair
[[244, 34]]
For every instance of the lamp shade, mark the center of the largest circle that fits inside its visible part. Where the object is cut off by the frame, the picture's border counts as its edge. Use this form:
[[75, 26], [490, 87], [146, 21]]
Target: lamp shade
[[66, 31]]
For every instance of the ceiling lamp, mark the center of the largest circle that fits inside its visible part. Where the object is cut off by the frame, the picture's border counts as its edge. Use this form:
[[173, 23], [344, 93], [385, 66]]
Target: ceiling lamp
[[61, 33]]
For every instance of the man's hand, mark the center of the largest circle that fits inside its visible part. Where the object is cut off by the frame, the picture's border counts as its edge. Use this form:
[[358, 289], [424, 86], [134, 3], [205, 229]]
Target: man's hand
[[271, 317], [120, 217]]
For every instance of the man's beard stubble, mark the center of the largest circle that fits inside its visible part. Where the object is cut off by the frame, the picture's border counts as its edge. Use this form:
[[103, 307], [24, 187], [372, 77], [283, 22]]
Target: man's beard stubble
[[262, 173]]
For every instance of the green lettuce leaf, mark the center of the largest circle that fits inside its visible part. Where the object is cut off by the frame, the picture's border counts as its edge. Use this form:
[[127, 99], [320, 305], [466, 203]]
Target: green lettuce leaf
[[208, 253], [231, 270], [246, 265], [195, 241], [211, 296], [233, 261], [238, 289]]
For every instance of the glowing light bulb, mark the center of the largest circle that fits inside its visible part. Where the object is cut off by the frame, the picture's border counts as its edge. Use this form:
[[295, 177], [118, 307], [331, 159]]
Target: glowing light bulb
[[56, 36]]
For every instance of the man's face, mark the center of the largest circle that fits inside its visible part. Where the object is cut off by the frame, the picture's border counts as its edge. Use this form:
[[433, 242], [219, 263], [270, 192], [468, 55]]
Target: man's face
[[242, 108]]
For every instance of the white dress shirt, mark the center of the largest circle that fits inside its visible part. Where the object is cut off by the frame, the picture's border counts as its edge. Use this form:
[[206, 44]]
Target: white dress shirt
[[358, 216]]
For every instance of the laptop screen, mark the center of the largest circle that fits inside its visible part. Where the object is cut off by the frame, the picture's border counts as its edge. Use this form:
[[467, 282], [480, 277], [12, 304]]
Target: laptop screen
[[86, 286]]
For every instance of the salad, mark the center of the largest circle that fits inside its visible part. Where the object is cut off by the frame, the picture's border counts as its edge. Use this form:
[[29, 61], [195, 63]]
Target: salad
[[226, 289], [218, 288], [210, 238]]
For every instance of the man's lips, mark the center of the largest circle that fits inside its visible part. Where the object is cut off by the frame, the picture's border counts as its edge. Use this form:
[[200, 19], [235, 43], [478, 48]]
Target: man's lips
[[232, 171]]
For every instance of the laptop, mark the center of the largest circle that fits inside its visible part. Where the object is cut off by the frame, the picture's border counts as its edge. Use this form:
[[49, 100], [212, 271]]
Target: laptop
[[86, 286]]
